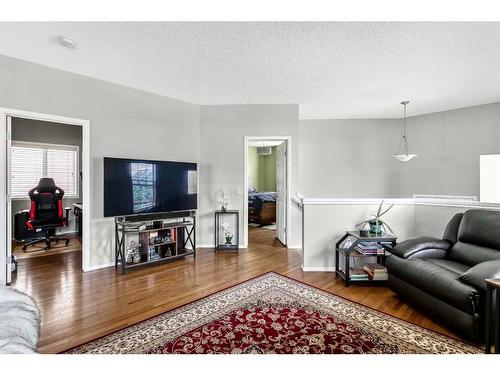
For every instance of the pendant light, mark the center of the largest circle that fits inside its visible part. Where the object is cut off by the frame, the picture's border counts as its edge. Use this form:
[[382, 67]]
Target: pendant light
[[404, 153]]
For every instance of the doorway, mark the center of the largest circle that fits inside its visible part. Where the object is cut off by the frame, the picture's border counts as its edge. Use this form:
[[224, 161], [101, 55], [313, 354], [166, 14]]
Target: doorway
[[54, 148], [267, 186]]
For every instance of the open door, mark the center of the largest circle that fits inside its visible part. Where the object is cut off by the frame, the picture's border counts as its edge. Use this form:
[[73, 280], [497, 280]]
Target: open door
[[281, 192], [8, 202]]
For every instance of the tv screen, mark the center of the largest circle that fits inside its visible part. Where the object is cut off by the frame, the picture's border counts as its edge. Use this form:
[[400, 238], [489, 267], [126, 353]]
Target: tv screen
[[134, 187]]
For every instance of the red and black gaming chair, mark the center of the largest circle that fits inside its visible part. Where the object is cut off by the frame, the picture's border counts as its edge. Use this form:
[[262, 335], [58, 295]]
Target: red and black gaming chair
[[46, 212]]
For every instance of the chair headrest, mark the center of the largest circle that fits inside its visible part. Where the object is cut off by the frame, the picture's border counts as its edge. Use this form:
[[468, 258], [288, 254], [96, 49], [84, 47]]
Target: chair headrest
[[47, 185]]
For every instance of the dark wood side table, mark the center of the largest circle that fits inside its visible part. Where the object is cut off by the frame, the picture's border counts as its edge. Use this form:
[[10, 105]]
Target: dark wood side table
[[492, 334], [387, 241]]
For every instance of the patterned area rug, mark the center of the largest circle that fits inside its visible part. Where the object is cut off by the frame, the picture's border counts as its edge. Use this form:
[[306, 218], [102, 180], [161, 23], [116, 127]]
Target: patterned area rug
[[274, 314]]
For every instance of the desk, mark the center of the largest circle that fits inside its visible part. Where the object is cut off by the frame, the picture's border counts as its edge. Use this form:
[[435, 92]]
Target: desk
[[78, 212], [492, 335]]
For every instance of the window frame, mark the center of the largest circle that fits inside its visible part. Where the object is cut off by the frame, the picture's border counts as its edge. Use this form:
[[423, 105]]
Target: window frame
[[53, 146]]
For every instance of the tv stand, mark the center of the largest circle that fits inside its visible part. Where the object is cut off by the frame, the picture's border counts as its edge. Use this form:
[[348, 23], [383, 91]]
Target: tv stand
[[159, 238]]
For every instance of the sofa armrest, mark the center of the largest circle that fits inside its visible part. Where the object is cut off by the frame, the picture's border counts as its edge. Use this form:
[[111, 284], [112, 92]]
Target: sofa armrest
[[476, 275], [421, 247]]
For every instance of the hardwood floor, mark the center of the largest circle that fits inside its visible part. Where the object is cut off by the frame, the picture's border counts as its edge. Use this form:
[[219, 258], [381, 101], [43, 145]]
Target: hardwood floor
[[78, 307], [38, 250]]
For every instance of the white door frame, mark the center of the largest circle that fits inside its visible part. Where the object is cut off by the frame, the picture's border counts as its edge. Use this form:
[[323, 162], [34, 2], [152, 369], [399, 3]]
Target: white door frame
[[5, 238], [246, 141]]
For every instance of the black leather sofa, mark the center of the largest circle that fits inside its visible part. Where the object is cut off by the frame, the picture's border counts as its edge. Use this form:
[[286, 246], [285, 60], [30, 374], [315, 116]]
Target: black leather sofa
[[445, 277]]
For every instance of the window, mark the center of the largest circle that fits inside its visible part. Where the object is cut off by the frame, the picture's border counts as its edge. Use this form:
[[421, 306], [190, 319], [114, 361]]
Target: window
[[143, 186], [32, 161], [489, 166], [192, 177]]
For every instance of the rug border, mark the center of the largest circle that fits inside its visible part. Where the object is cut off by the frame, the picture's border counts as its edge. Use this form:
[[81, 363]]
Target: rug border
[[255, 277], [175, 308]]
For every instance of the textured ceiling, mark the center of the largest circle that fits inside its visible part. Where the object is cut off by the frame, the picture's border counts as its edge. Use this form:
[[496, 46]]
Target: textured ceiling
[[333, 70]]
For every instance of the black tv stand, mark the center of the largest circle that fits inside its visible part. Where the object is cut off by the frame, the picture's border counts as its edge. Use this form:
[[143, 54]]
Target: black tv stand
[[174, 238]]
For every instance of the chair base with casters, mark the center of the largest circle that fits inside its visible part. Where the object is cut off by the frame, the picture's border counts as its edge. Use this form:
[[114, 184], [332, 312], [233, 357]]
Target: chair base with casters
[[48, 239]]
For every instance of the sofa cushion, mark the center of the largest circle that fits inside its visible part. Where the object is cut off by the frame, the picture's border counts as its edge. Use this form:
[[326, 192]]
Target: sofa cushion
[[472, 254], [480, 227], [476, 275], [451, 231], [450, 265], [437, 277]]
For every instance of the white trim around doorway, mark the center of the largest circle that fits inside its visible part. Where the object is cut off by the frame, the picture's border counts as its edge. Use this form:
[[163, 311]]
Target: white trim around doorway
[[5, 114], [246, 141]]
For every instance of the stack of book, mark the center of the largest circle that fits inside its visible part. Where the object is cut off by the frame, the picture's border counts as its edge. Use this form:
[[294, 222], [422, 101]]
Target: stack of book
[[357, 274], [375, 271], [370, 248], [134, 227]]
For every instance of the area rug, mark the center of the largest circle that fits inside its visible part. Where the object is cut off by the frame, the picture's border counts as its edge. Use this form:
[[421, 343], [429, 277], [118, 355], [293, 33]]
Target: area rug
[[274, 314]]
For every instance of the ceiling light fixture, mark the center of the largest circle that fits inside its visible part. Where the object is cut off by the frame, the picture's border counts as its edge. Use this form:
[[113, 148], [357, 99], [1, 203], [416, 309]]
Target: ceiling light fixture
[[404, 153], [66, 42]]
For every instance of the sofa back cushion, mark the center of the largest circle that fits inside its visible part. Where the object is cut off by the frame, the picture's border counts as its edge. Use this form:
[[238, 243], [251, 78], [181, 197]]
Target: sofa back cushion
[[478, 238]]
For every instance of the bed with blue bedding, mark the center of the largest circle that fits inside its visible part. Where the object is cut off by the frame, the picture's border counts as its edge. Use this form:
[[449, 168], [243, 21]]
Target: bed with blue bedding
[[262, 207]]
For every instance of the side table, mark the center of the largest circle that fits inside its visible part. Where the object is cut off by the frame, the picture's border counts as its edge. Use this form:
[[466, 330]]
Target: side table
[[492, 334], [226, 231]]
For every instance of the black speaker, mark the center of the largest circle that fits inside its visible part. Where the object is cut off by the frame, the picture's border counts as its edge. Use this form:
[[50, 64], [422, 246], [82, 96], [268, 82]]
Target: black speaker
[[21, 232]]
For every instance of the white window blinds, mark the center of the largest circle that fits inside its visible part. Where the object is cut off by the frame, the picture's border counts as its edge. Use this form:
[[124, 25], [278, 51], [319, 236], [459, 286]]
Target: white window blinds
[[32, 161]]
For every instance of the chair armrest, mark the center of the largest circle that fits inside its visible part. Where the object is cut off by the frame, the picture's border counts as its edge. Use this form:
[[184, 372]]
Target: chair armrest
[[476, 275], [421, 247]]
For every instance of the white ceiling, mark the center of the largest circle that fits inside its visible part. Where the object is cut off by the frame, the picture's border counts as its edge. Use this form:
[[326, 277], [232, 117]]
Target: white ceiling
[[333, 70]]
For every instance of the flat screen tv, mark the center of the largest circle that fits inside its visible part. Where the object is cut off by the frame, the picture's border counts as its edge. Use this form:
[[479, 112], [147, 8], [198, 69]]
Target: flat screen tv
[[134, 187]]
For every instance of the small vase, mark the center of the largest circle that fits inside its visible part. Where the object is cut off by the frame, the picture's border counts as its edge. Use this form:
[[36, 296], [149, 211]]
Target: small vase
[[229, 240], [376, 227]]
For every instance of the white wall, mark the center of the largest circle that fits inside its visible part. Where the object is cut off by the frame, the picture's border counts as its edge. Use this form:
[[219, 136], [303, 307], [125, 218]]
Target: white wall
[[326, 222], [124, 122], [448, 145], [222, 132], [348, 158], [324, 225]]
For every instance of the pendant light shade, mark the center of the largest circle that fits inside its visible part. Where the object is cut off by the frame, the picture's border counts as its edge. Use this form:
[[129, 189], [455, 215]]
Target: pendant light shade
[[404, 153]]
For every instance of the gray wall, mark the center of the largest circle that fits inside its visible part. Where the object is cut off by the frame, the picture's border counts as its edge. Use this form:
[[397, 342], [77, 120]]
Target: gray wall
[[352, 158], [348, 158], [222, 130], [448, 145], [124, 122], [48, 132]]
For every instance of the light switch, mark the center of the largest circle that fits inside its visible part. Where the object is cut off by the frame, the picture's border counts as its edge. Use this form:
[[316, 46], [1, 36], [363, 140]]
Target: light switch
[[239, 190]]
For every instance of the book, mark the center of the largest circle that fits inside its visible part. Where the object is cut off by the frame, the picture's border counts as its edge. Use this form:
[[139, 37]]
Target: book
[[357, 274], [376, 271]]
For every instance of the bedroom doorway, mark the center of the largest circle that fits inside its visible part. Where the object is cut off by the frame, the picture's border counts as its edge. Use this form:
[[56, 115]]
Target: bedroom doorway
[[267, 186]]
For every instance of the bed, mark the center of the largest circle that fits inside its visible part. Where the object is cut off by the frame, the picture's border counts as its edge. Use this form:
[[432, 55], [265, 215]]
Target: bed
[[262, 207]]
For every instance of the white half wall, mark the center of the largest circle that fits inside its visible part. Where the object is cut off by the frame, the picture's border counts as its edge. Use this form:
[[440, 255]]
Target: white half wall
[[124, 122], [326, 220], [324, 225]]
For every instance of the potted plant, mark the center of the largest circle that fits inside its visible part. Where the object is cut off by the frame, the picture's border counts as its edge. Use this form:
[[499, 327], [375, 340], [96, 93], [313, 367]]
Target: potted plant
[[228, 235], [377, 225], [223, 200]]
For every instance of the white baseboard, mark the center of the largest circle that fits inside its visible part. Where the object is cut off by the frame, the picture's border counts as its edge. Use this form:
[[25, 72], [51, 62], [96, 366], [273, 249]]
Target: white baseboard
[[99, 266], [211, 246], [205, 246], [318, 269]]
